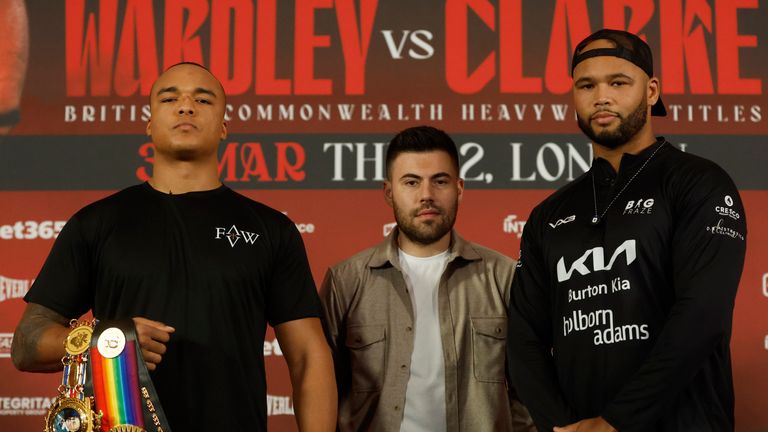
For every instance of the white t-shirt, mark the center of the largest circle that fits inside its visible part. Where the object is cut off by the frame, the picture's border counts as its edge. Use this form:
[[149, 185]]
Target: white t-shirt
[[425, 395]]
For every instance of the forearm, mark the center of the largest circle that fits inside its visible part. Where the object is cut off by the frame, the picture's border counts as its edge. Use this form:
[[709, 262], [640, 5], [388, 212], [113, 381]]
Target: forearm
[[314, 394], [38, 343]]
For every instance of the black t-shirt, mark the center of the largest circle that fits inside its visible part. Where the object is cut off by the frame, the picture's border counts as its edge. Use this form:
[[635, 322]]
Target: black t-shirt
[[630, 319], [215, 265]]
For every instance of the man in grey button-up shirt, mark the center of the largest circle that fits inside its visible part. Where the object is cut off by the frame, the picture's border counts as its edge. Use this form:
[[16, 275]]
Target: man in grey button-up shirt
[[417, 324]]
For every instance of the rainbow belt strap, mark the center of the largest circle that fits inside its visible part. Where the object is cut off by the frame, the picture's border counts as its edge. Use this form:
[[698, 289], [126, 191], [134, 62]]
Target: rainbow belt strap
[[120, 384]]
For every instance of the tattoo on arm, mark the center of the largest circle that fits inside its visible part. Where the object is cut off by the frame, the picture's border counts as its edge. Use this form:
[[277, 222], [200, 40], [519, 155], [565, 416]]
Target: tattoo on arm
[[26, 350]]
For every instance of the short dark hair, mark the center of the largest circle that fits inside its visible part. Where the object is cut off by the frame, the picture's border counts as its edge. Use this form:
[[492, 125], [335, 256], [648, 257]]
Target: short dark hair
[[421, 139]]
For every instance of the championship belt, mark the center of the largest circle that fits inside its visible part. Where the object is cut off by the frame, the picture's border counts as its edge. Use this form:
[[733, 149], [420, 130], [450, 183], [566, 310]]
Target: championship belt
[[73, 411], [105, 386], [122, 389]]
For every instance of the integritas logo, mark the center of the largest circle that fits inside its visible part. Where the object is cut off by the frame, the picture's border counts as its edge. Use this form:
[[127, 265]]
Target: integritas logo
[[23, 405], [598, 260], [512, 225], [13, 288]]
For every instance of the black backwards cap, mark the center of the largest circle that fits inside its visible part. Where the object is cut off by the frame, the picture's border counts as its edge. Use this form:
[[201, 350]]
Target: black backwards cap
[[628, 47]]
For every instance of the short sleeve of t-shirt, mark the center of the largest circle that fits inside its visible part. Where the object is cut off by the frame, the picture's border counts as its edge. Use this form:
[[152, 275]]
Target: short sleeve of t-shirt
[[63, 283], [291, 293]]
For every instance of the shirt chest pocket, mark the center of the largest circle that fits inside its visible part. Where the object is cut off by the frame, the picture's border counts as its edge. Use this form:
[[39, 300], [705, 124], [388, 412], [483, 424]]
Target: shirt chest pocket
[[367, 350], [489, 341]]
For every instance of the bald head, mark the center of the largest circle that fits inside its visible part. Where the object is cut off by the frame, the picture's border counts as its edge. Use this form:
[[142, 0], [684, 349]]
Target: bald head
[[217, 90]]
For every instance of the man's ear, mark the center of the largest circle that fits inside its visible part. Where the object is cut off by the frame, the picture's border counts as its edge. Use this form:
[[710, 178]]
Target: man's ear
[[387, 187], [654, 91], [223, 134], [149, 127]]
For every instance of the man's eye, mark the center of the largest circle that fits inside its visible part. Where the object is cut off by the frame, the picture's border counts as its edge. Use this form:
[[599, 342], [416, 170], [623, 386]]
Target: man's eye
[[164, 100], [204, 101], [618, 83]]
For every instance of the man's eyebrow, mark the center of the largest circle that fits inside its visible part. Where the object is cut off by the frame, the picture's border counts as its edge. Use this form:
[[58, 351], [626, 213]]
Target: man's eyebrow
[[410, 176], [198, 90], [590, 78], [168, 90]]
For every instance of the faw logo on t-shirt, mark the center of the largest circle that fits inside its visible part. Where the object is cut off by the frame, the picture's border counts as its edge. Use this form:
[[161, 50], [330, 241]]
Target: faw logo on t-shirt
[[233, 235]]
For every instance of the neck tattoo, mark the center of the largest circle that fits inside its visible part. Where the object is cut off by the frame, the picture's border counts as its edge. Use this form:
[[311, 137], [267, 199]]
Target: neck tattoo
[[596, 219]]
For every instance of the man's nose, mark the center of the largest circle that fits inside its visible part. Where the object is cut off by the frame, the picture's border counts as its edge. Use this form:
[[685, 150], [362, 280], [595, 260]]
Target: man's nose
[[186, 106]]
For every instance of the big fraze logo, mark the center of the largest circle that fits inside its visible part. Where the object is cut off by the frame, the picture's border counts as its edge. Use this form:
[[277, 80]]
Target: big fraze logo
[[641, 206], [233, 235]]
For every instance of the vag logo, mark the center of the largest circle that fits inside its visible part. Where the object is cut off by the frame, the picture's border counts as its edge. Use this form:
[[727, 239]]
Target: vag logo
[[582, 265], [233, 235], [559, 222]]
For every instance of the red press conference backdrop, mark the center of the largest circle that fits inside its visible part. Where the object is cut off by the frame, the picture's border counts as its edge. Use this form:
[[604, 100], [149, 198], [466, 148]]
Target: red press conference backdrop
[[317, 87]]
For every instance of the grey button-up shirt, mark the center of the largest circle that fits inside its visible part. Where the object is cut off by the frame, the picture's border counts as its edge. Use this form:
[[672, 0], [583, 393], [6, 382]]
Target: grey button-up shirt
[[369, 324]]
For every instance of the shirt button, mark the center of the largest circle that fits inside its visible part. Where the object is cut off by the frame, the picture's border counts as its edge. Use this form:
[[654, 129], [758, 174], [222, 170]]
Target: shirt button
[[403, 367], [397, 407], [408, 329], [498, 329]]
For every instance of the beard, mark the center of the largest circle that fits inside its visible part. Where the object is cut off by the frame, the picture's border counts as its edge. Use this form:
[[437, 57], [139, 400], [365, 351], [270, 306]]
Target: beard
[[429, 231], [628, 127]]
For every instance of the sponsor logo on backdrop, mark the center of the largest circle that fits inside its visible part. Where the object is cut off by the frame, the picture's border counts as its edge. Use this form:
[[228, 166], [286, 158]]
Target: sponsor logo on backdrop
[[31, 230], [387, 228], [13, 288], [765, 284], [25, 405], [582, 267], [304, 227], [512, 225], [272, 348], [727, 210], [233, 235], [564, 221], [5, 344], [279, 405], [641, 206]]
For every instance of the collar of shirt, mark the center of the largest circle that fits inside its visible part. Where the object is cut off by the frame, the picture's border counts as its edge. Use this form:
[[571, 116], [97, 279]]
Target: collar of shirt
[[386, 253]]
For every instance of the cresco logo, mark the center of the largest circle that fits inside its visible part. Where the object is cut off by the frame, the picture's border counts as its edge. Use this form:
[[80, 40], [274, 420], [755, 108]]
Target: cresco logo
[[727, 211]]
